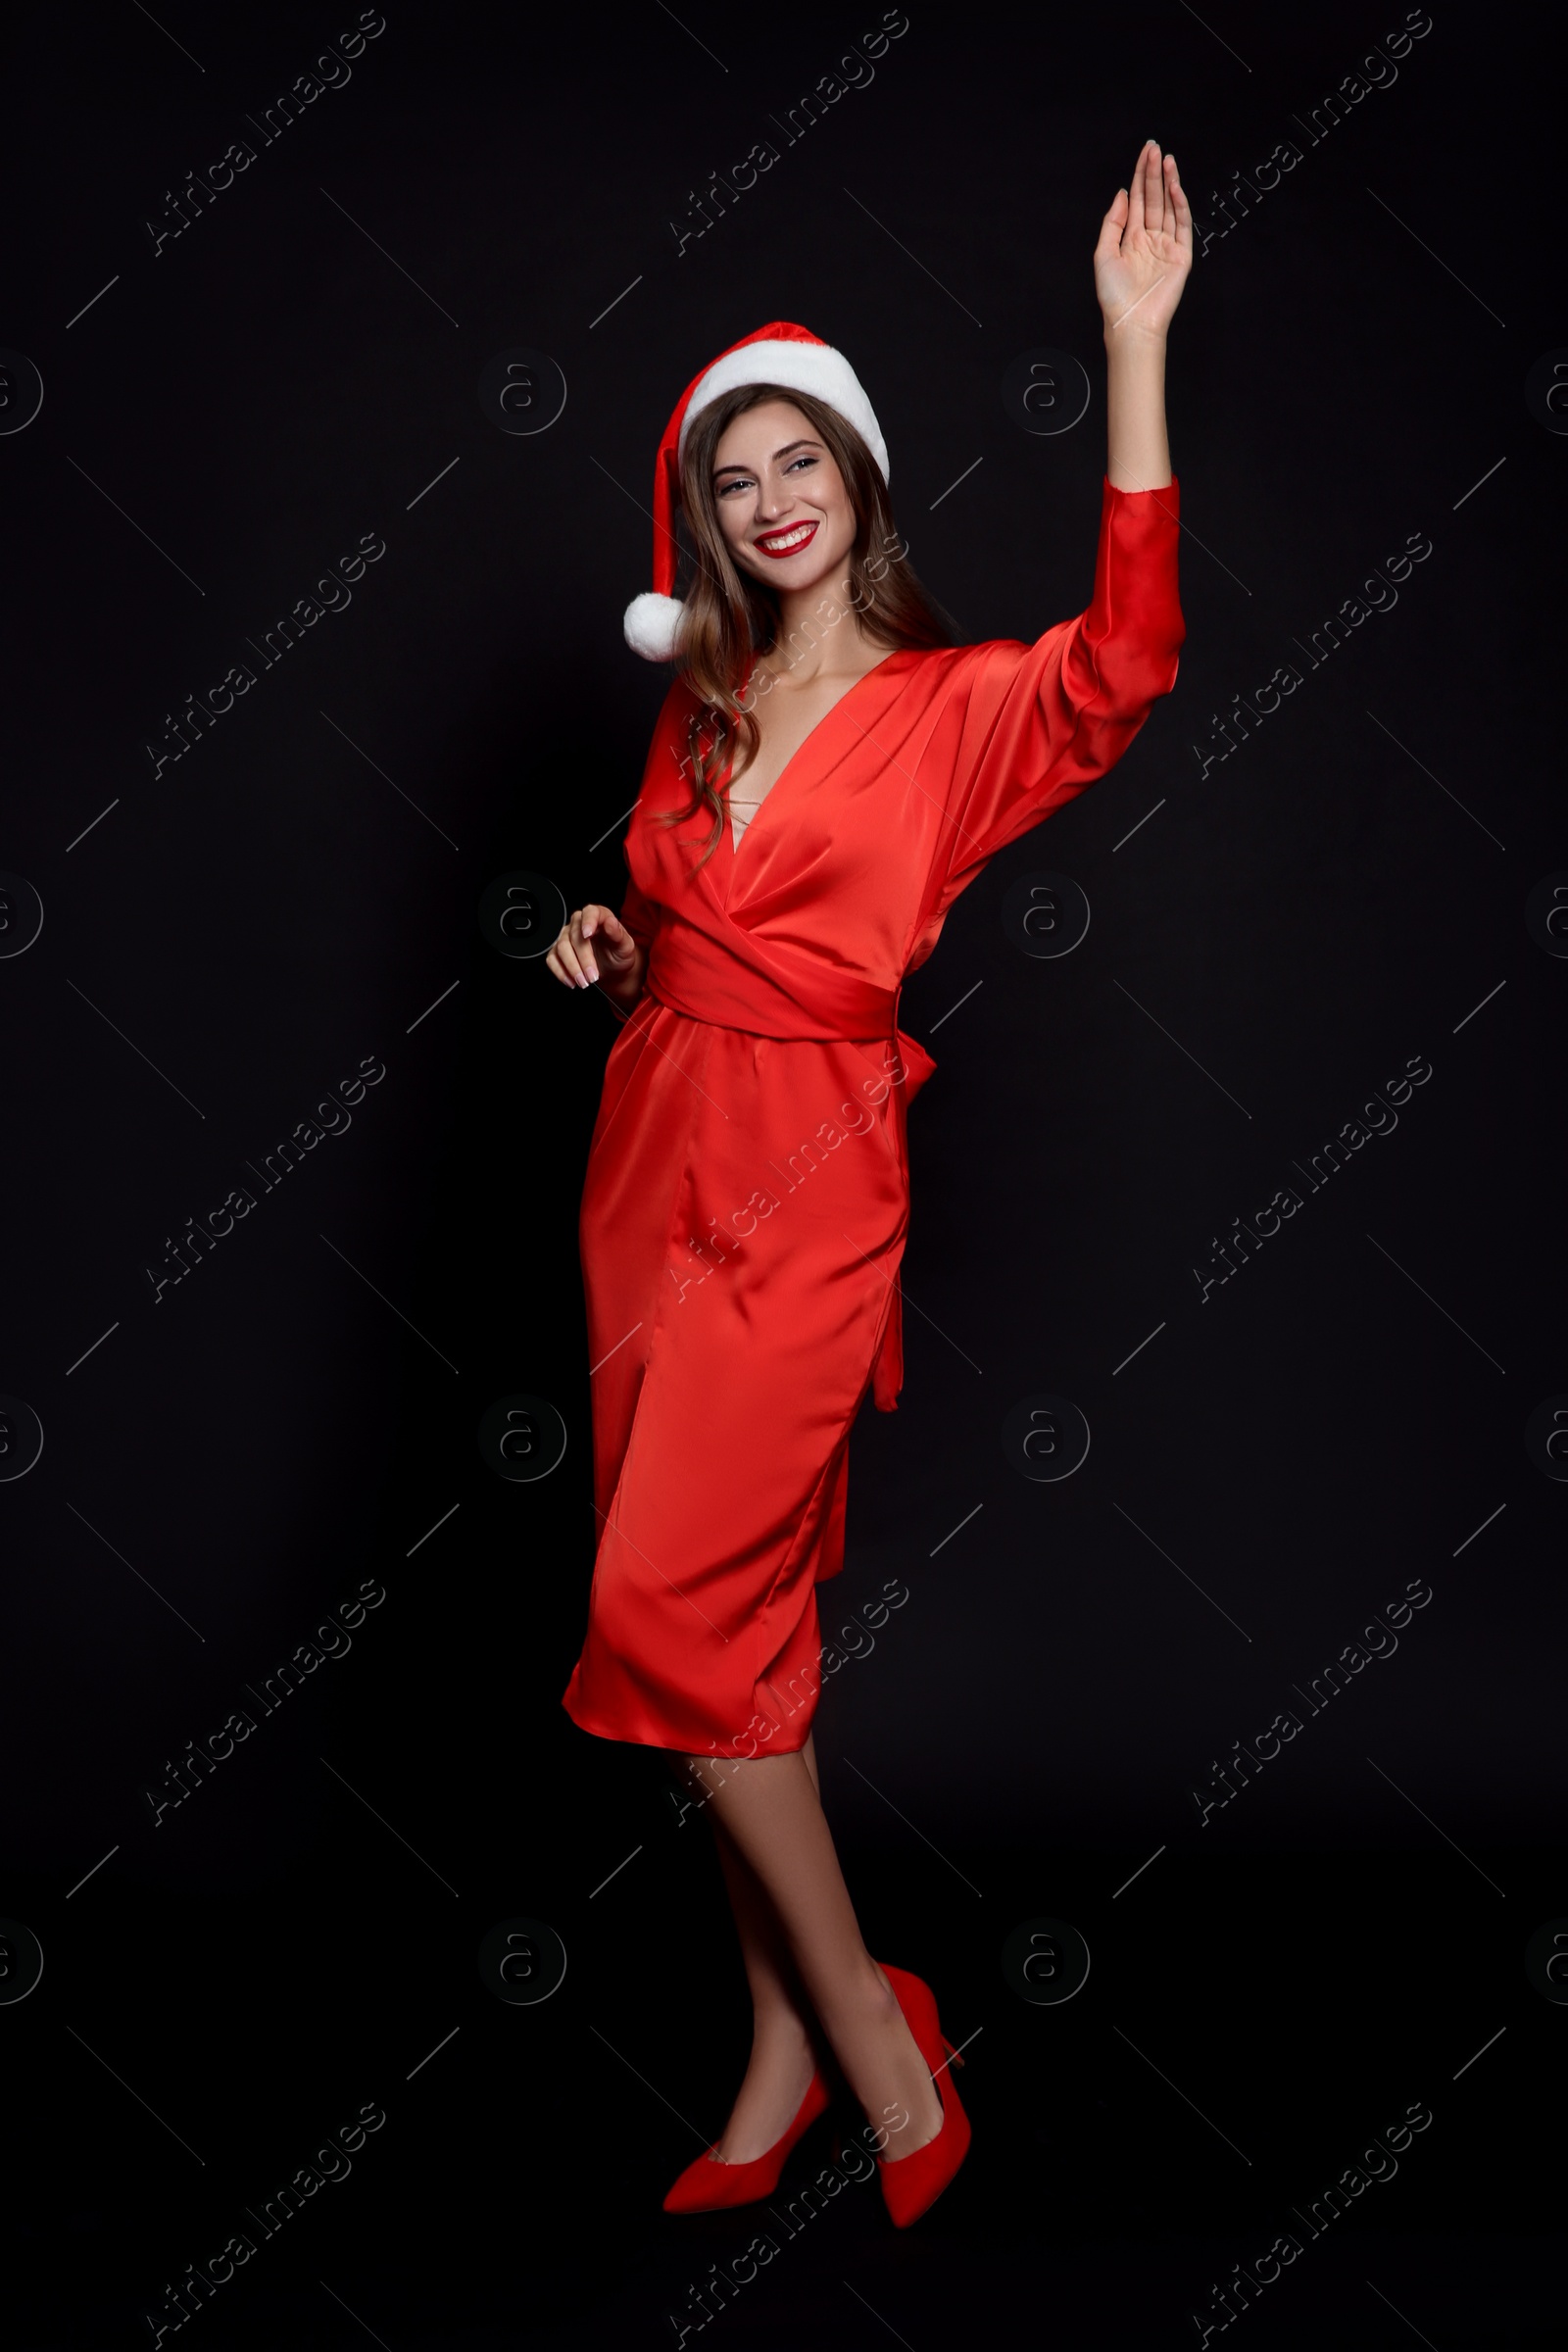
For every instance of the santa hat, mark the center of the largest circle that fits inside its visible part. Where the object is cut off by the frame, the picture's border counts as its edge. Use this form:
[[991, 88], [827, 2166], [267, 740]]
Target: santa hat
[[778, 354]]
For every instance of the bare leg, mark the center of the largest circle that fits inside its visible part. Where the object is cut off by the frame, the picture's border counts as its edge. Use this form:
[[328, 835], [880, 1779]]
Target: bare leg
[[786, 2038], [798, 1935]]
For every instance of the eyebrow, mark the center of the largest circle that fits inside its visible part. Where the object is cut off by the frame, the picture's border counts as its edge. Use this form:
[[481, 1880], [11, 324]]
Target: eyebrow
[[736, 467]]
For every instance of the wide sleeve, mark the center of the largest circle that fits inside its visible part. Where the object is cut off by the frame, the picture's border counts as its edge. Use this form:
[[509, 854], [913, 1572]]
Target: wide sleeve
[[1038, 722]]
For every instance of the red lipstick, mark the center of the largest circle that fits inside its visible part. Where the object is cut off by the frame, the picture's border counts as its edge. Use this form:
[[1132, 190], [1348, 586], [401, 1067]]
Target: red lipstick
[[798, 535]]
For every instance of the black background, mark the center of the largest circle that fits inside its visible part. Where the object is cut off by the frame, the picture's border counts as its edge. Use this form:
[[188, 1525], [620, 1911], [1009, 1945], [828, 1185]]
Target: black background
[[224, 941]]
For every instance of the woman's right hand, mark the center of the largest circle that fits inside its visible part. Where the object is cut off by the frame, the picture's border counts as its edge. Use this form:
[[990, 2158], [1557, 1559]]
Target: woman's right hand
[[594, 947]]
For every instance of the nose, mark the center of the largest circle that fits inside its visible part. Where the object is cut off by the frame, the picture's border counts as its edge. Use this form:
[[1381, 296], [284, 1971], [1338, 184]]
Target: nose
[[773, 498]]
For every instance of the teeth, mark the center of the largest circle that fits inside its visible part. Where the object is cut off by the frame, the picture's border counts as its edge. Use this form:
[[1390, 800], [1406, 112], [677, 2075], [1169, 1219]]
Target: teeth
[[790, 538]]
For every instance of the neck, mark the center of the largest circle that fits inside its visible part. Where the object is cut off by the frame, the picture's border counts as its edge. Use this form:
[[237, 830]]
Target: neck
[[820, 633]]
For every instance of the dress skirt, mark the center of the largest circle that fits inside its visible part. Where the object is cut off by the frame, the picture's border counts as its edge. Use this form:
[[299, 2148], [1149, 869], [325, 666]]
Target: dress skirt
[[740, 1272]]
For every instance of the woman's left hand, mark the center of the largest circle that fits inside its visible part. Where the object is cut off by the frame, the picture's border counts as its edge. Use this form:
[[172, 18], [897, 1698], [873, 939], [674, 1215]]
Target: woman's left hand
[[1145, 248]]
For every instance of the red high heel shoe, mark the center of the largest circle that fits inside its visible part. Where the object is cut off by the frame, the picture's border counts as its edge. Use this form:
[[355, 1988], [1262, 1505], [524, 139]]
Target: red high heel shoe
[[910, 2184], [709, 2184]]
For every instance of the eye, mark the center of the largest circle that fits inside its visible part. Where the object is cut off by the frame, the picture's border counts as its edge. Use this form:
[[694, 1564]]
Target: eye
[[739, 481], [805, 460]]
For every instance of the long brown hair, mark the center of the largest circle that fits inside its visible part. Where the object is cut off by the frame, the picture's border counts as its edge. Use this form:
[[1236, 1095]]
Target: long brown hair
[[730, 617]]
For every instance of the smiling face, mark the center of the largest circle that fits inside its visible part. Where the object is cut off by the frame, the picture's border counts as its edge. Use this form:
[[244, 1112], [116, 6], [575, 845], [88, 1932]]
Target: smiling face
[[782, 504]]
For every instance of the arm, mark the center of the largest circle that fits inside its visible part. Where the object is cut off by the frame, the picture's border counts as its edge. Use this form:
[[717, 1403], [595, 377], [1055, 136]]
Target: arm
[[1141, 265], [1029, 726], [1040, 722]]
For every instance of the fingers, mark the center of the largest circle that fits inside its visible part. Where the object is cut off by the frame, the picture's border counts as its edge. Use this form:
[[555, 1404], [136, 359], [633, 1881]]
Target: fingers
[[572, 959], [583, 925], [1153, 189], [608, 924], [1110, 228], [562, 960], [1180, 208], [1135, 209], [615, 946]]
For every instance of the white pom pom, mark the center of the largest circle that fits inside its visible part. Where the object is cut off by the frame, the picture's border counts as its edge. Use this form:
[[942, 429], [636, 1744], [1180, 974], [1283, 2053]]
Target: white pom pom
[[649, 626]]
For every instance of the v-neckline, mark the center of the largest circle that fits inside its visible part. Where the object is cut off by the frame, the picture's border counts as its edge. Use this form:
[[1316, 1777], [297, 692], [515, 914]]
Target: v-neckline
[[808, 738]]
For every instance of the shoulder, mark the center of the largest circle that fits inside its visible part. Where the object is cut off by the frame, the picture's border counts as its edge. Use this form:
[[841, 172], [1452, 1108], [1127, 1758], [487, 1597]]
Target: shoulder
[[959, 668], [932, 667]]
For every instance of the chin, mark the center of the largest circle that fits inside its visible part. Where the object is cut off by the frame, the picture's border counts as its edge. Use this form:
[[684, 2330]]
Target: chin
[[818, 571]]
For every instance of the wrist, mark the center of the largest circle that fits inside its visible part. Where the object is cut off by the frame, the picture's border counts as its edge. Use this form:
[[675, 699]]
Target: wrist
[[1132, 336]]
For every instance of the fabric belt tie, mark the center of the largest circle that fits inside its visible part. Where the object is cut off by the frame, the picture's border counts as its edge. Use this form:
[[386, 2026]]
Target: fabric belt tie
[[769, 990]]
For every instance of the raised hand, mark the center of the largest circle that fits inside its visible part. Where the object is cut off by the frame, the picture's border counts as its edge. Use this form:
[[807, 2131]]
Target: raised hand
[[1145, 248]]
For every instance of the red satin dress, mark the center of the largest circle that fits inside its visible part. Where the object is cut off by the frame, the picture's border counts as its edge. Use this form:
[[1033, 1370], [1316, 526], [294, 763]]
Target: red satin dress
[[747, 1194]]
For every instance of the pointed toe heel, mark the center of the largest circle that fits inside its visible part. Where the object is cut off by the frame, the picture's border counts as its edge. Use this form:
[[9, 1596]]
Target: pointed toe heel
[[911, 2184], [710, 2185]]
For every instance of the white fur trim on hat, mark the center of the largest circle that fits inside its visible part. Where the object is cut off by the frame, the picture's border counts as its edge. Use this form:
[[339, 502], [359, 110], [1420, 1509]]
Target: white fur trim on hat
[[815, 367], [651, 624]]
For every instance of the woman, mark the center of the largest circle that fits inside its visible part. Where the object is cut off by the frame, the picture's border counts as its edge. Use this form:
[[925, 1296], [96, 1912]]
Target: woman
[[746, 1194]]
